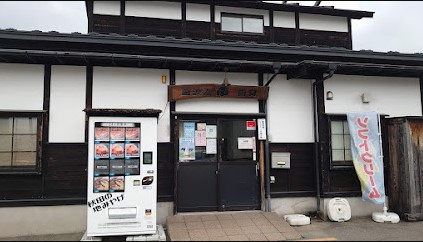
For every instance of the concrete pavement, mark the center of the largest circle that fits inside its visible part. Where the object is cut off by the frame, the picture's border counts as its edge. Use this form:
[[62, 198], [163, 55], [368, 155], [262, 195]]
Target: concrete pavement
[[357, 229], [362, 229]]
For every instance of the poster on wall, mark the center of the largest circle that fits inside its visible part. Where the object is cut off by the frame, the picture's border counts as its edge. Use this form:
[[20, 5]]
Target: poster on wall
[[211, 148], [245, 143], [189, 129], [211, 131], [186, 149], [200, 138], [201, 126]]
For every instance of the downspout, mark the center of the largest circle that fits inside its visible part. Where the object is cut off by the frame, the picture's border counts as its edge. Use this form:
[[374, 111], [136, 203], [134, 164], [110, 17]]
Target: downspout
[[332, 69], [277, 67]]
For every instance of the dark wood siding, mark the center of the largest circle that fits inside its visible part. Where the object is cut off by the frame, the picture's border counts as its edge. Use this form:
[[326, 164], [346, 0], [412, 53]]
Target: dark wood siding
[[406, 167], [324, 38], [106, 24], [153, 26], [165, 172], [284, 36], [300, 178], [259, 38], [65, 177], [203, 30], [198, 30]]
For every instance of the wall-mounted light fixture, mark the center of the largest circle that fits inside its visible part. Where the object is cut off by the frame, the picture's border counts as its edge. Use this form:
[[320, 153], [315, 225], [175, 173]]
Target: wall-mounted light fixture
[[329, 95], [365, 98], [164, 79]]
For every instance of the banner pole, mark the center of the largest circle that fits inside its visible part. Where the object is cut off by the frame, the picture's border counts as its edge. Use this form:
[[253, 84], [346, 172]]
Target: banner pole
[[385, 207]]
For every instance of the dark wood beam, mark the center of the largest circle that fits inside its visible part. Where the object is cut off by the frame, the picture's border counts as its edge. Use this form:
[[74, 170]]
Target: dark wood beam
[[350, 45], [122, 20], [90, 15], [212, 22], [297, 28], [271, 27], [184, 19], [88, 96]]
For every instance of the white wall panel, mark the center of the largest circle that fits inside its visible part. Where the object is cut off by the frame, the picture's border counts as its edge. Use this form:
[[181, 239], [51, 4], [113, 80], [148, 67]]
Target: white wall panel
[[220, 9], [290, 111], [154, 9], [323, 22], [284, 19], [107, 7], [198, 12], [22, 87], [215, 105], [388, 95], [67, 102], [133, 88]]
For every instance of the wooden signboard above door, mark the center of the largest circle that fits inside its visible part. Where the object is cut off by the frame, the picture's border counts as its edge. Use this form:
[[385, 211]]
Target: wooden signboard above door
[[184, 92]]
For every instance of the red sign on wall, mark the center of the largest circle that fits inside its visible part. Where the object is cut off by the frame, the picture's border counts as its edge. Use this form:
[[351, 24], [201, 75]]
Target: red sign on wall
[[251, 125]]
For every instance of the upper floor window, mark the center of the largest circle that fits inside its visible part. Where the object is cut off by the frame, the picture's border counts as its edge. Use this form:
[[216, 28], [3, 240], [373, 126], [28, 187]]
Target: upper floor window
[[20, 143], [242, 23]]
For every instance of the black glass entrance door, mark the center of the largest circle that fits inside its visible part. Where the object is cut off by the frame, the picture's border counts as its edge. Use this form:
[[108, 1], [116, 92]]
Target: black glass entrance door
[[237, 166], [217, 169]]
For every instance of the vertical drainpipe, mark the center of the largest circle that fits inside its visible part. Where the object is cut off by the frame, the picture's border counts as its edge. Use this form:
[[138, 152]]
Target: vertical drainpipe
[[332, 69], [277, 69]]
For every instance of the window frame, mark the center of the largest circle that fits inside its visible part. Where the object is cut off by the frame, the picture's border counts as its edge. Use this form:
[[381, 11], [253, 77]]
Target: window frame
[[241, 16], [27, 170], [333, 166]]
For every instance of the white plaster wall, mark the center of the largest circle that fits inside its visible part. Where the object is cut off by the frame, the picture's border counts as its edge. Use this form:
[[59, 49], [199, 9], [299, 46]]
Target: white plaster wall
[[54, 220], [22, 87], [42, 220], [107, 7], [290, 110], [198, 12], [133, 88], [220, 9], [154, 9], [323, 22], [215, 105], [393, 96], [284, 19], [305, 205], [67, 102], [293, 205]]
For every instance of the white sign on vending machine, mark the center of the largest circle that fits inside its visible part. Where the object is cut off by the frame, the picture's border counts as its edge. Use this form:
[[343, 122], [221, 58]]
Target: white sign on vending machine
[[122, 176]]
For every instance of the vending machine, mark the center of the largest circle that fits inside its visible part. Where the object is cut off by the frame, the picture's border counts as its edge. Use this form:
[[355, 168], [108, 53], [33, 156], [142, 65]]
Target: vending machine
[[122, 176]]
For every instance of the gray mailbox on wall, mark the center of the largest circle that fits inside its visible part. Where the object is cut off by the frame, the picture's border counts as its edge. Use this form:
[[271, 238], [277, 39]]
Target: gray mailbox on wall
[[281, 160]]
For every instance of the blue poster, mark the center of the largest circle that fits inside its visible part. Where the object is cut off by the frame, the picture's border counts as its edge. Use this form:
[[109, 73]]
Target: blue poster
[[367, 155], [186, 149], [189, 129]]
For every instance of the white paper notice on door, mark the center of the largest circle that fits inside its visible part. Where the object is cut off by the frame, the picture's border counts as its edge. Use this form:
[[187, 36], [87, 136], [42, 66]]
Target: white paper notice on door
[[211, 131], [245, 143], [200, 138], [211, 147]]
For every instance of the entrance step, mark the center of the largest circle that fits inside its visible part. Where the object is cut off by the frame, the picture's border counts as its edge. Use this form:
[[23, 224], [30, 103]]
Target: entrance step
[[227, 226]]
